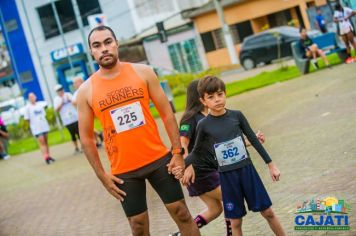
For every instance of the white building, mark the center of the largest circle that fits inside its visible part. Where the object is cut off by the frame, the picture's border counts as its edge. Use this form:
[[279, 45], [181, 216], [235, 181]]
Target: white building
[[127, 18]]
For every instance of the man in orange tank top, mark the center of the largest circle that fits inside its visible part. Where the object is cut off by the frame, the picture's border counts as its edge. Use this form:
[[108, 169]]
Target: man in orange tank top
[[118, 94]]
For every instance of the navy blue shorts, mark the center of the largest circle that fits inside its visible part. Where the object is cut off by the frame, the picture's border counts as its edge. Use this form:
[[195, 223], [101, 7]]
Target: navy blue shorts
[[204, 184], [239, 185]]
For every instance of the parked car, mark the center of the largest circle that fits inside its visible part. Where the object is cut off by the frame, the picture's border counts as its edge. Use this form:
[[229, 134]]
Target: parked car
[[263, 47]]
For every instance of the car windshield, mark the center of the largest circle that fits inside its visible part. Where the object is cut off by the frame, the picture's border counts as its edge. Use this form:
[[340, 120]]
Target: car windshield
[[290, 31]]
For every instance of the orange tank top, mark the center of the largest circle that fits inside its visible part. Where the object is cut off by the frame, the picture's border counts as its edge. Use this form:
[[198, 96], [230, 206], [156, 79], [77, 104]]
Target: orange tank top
[[131, 136]]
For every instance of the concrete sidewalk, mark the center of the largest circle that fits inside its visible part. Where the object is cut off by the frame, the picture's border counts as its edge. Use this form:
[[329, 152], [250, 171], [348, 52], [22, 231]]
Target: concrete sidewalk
[[310, 128]]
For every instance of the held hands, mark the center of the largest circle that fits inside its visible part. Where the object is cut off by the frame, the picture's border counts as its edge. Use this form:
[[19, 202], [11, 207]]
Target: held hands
[[274, 172], [176, 166], [189, 176], [109, 181], [260, 136]]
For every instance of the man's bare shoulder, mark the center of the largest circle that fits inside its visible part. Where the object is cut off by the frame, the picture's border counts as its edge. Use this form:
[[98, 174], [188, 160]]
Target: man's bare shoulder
[[84, 86], [144, 71], [84, 91], [142, 67]]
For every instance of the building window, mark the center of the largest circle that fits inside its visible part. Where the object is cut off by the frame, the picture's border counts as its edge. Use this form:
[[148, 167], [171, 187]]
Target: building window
[[279, 18], [213, 40], [240, 31], [66, 15], [208, 42], [185, 57]]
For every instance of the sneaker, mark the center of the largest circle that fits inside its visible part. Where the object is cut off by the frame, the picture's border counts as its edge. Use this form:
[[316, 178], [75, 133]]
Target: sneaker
[[315, 64], [77, 151], [50, 160], [349, 60], [6, 157]]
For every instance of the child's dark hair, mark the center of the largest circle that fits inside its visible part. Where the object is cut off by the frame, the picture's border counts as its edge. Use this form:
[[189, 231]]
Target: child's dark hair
[[338, 7], [210, 84], [193, 105]]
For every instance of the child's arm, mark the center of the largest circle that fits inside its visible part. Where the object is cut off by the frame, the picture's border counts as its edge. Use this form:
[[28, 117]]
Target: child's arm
[[199, 141], [259, 135], [185, 143], [246, 129], [189, 176]]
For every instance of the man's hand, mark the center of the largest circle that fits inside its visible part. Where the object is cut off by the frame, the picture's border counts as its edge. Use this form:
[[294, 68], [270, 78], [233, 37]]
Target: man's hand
[[178, 172], [176, 161], [274, 172], [189, 176], [109, 181]]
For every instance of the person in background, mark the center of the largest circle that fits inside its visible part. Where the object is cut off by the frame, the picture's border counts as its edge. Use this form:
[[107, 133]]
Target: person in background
[[68, 113], [77, 81], [342, 17], [35, 114], [320, 22], [311, 50], [4, 137]]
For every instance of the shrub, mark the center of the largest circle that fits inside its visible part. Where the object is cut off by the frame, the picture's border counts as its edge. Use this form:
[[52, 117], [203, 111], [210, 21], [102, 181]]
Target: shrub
[[179, 82], [20, 130], [51, 117]]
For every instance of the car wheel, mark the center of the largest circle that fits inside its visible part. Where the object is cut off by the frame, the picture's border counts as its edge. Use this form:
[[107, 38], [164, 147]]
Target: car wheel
[[248, 63]]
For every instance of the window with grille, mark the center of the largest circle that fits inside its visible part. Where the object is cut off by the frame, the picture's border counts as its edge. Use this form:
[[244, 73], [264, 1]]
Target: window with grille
[[66, 15]]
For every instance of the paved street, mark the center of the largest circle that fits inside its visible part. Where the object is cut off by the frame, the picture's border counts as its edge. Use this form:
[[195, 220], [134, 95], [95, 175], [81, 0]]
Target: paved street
[[310, 127]]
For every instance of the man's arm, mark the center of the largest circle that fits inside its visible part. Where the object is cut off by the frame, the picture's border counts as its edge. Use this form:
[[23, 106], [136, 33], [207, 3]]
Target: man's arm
[[57, 103], [160, 101], [86, 131]]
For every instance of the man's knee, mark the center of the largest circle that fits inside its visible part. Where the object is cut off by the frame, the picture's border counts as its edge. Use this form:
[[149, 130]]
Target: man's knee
[[138, 225], [236, 223], [182, 213], [268, 214]]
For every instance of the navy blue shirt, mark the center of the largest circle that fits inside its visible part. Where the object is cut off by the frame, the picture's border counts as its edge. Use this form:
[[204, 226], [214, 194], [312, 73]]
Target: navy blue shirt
[[214, 130]]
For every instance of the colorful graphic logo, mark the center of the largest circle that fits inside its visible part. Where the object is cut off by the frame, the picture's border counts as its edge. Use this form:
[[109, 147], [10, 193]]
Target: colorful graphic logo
[[322, 214]]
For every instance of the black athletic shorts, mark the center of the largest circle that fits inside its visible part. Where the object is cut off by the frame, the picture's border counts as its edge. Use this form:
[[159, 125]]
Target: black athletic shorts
[[167, 187], [73, 130]]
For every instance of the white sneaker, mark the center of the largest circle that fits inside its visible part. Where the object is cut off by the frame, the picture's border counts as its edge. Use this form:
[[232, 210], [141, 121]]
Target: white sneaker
[[6, 157]]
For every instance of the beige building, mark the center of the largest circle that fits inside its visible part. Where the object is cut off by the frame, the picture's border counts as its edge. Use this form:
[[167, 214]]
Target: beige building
[[245, 17]]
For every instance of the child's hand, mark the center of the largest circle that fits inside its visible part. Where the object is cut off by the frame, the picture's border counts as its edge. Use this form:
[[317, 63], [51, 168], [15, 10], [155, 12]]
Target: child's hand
[[260, 136], [274, 172], [189, 176], [177, 172]]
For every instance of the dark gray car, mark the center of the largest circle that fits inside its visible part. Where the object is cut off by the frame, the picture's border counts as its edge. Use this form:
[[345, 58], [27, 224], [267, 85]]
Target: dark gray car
[[269, 45]]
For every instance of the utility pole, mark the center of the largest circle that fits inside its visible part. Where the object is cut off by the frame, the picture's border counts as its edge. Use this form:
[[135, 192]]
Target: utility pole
[[81, 28], [227, 34], [58, 22], [41, 67]]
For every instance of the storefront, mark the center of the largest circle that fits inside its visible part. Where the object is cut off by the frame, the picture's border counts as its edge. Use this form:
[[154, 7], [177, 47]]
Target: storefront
[[67, 70]]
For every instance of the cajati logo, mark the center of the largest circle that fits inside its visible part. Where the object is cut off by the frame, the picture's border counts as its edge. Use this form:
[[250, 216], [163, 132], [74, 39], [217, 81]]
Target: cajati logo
[[322, 214]]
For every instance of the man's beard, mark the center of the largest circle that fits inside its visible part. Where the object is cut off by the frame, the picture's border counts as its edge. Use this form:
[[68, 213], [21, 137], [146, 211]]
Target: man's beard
[[108, 64]]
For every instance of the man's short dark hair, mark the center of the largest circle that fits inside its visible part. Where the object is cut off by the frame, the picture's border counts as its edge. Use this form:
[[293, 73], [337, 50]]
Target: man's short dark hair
[[210, 84], [100, 28]]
